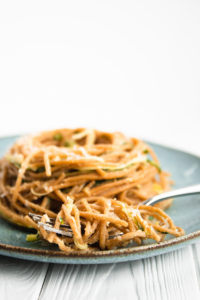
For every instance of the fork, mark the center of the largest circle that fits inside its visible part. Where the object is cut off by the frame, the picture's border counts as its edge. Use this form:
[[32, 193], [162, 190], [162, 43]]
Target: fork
[[186, 191]]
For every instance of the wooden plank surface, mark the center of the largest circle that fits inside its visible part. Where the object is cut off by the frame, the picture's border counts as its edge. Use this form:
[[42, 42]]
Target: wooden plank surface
[[196, 254], [169, 276], [20, 279]]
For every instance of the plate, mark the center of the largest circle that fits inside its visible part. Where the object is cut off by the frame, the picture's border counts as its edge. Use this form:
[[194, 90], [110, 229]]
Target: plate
[[185, 211]]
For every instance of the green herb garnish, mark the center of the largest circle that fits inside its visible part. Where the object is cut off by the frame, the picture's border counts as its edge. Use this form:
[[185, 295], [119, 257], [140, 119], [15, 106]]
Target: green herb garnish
[[61, 221], [58, 137], [32, 237], [18, 165], [69, 143], [155, 165], [146, 151], [151, 218], [138, 224]]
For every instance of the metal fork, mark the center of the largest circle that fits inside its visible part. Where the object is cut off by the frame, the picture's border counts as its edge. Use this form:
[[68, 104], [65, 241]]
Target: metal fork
[[48, 226], [190, 190]]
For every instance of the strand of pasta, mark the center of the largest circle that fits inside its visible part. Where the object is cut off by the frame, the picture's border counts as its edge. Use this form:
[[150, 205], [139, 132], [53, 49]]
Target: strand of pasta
[[94, 181]]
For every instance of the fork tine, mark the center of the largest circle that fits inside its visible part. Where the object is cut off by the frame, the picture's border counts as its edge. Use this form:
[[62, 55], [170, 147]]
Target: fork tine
[[48, 227], [52, 229], [37, 219]]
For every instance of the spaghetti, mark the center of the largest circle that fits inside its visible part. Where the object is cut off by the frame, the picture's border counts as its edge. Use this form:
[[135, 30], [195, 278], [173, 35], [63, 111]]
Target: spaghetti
[[91, 180]]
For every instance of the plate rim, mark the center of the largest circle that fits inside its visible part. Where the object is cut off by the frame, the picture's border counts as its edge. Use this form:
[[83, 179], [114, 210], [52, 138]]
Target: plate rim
[[101, 254]]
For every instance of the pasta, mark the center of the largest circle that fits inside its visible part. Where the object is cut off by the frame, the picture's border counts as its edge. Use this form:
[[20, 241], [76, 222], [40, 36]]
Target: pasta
[[91, 180]]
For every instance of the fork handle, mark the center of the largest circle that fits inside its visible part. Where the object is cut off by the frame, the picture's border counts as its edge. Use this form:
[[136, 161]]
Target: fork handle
[[190, 190]]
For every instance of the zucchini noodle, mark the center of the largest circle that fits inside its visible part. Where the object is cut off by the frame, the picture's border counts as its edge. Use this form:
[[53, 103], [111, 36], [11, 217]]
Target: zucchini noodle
[[91, 180]]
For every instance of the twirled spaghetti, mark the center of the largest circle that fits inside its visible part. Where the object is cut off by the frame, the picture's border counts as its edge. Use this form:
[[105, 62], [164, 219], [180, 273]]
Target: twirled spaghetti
[[94, 181]]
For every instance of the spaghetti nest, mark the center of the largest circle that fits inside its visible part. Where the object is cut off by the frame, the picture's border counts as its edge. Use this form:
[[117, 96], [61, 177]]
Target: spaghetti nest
[[91, 180]]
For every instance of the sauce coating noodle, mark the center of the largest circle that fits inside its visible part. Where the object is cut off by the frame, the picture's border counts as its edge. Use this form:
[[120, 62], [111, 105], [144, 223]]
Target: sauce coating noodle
[[91, 180]]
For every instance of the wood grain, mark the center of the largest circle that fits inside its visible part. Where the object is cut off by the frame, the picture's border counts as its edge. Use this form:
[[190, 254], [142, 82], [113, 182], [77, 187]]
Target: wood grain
[[170, 276], [196, 254], [20, 279]]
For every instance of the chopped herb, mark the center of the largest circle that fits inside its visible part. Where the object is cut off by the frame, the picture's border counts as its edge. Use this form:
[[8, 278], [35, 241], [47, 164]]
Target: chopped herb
[[151, 218], [15, 159], [154, 164], [69, 143], [140, 227], [58, 137], [32, 237], [18, 165], [61, 221], [146, 151], [138, 224]]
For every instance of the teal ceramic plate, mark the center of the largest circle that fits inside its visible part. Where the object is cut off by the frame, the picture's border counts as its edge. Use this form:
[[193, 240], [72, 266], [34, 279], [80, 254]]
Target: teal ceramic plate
[[185, 170]]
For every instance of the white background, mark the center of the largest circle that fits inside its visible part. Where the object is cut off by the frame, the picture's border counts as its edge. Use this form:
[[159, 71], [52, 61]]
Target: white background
[[131, 66]]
